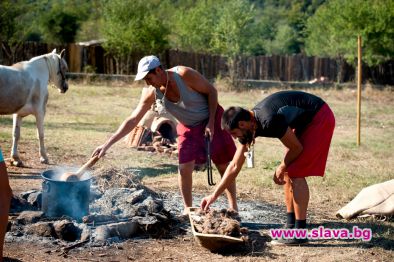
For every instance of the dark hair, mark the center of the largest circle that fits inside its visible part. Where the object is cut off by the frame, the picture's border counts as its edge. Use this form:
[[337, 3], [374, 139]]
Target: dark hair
[[233, 115]]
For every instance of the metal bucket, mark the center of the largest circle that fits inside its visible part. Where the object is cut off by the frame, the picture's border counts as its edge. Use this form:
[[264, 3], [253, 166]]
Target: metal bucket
[[61, 198]]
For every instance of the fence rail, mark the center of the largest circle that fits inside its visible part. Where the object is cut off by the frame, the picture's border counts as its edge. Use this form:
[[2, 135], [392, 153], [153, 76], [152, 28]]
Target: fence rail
[[92, 58]]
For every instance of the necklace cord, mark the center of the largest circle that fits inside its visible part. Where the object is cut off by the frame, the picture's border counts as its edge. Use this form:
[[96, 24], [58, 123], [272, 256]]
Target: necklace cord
[[165, 91]]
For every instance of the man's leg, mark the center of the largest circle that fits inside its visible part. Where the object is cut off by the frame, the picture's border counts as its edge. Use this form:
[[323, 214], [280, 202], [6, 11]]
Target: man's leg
[[301, 197], [289, 200], [185, 181], [231, 191], [5, 200], [300, 191]]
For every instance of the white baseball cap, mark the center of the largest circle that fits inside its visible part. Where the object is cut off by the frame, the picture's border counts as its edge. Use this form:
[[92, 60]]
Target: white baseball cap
[[146, 64]]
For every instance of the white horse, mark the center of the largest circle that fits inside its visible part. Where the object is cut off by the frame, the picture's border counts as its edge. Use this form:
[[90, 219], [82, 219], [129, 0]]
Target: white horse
[[23, 91]]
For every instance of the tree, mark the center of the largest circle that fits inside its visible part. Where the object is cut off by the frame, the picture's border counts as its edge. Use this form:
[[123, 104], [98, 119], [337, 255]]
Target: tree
[[60, 20], [233, 31], [334, 28], [132, 26], [18, 20], [193, 25], [54, 21], [60, 26], [221, 27], [285, 41], [17, 24], [281, 25], [89, 27]]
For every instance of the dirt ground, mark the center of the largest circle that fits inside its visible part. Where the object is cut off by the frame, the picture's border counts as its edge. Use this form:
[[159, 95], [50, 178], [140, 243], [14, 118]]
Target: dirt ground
[[183, 247]]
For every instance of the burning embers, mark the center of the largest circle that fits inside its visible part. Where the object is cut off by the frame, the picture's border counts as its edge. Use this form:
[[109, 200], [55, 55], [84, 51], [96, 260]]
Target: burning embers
[[120, 207]]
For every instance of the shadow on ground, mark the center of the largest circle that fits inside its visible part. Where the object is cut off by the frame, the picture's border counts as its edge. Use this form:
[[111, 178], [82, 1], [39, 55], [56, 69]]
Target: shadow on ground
[[255, 246], [8, 259], [158, 170]]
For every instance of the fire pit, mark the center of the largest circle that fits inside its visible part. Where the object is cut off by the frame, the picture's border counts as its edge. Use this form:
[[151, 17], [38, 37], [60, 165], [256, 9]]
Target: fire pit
[[111, 207]]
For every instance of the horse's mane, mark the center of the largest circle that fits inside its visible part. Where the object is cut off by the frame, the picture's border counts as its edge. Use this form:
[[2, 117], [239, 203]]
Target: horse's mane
[[41, 56]]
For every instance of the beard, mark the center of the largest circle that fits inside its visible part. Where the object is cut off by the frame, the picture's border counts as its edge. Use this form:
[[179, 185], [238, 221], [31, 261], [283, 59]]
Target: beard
[[247, 138]]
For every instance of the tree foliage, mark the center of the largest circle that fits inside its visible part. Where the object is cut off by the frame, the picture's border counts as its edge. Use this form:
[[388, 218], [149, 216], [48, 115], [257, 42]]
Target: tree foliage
[[333, 30], [17, 20], [234, 28], [193, 26], [131, 26], [227, 27], [55, 21]]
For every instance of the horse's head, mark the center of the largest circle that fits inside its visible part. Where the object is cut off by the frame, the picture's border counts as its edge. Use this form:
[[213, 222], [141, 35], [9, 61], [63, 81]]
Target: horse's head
[[58, 70]]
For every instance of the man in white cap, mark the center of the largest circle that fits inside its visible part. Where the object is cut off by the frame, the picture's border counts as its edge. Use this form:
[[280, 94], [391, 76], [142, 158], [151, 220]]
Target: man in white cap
[[193, 101]]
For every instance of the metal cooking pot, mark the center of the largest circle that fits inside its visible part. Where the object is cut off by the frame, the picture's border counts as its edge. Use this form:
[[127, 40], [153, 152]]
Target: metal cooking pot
[[61, 198]]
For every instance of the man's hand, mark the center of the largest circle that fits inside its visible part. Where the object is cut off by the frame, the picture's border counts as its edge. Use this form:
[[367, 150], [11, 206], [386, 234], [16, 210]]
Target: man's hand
[[279, 176], [206, 202], [209, 131], [99, 151]]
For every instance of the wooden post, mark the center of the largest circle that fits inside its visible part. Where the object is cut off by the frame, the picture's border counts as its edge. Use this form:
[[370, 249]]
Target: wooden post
[[359, 78]]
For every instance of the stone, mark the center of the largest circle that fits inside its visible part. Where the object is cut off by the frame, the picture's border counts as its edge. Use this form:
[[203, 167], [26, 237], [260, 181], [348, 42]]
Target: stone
[[25, 195], [122, 230], [34, 199], [86, 232], [18, 204], [67, 231], [153, 205], [29, 217], [43, 229], [136, 196]]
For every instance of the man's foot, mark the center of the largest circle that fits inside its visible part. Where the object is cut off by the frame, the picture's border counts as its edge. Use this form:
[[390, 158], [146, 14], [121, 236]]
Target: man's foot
[[289, 242]]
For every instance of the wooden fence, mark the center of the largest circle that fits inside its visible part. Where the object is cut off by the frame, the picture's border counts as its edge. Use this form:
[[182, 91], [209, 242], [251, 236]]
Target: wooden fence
[[92, 58]]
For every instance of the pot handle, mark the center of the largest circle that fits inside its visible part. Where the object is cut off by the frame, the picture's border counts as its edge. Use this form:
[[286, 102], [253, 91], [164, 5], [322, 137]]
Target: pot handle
[[46, 187]]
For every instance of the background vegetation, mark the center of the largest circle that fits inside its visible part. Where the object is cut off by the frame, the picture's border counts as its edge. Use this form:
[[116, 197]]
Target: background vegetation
[[225, 27]]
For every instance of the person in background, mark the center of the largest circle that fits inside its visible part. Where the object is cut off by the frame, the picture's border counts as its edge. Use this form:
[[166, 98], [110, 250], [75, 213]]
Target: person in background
[[193, 101], [304, 123], [5, 201]]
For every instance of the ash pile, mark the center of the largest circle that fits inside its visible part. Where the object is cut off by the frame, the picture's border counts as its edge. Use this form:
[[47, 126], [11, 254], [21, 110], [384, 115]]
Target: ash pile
[[120, 207]]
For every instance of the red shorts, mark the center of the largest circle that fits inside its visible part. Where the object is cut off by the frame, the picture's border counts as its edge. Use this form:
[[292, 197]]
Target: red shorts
[[316, 140], [191, 143]]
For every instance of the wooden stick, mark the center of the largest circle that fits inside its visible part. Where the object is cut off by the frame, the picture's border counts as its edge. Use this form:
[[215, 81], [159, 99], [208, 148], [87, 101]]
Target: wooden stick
[[359, 72]]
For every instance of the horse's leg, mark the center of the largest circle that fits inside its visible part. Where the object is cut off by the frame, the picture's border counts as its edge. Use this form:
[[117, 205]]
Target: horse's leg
[[16, 133], [40, 135]]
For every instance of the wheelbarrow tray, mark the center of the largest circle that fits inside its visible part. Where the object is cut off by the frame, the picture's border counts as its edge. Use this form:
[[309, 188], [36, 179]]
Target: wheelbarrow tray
[[212, 242]]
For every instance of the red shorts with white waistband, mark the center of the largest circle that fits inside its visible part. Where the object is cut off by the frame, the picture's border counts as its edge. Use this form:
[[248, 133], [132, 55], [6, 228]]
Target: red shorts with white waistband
[[191, 143], [316, 140]]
